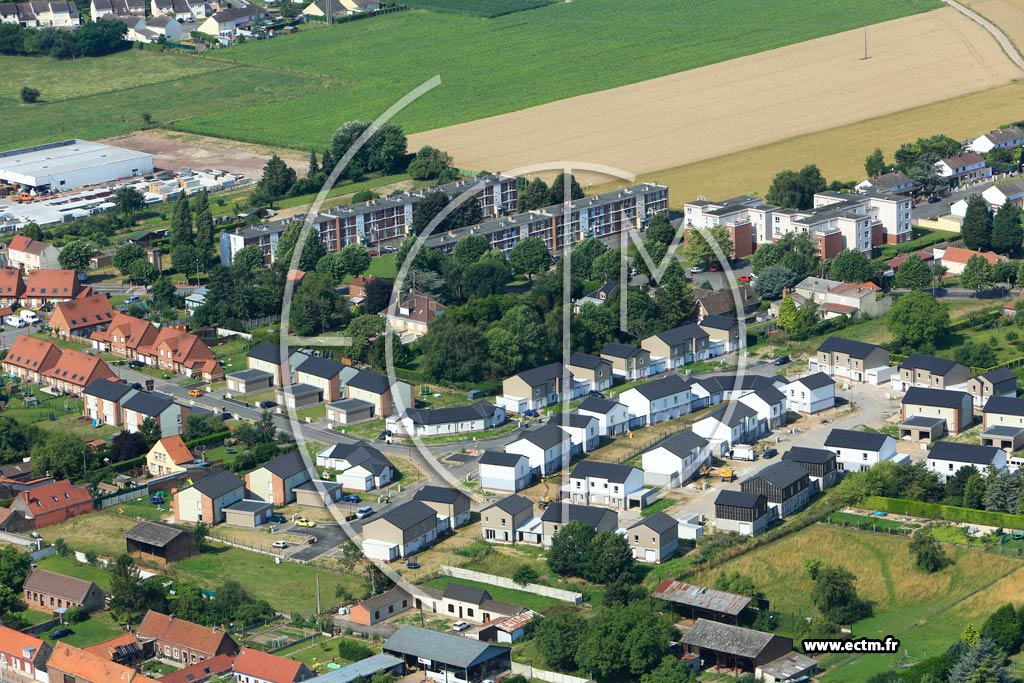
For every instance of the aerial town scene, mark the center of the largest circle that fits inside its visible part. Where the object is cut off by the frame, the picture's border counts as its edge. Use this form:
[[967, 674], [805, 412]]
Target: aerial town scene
[[512, 341]]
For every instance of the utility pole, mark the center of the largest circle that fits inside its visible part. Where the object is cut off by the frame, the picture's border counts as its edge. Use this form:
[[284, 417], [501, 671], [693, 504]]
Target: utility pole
[[318, 593], [865, 42]]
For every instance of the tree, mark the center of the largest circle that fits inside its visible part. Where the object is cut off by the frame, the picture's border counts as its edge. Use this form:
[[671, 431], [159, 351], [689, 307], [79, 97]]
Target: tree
[[181, 222], [342, 140], [332, 266], [977, 274], [316, 305], [202, 224], [671, 670], [355, 259], [772, 281], [386, 150], [125, 255], [529, 256], [624, 642], [874, 165], [1003, 627], [29, 95], [378, 295], [248, 260], [928, 554], [835, 595], [470, 248], [610, 558], [454, 352], [485, 278], [656, 252], [314, 166], [1001, 490], [674, 296], [312, 248], [701, 245], [15, 567], [976, 227], [465, 214], [926, 179], [184, 259], [128, 200], [61, 455], [525, 574], [126, 591], [278, 177], [608, 266], [660, 230], [767, 254], [584, 254], [164, 293], [571, 549], [558, 637], [796, 189], [850, 265], [428, 163], [913, 273], [556, 195], [142, 272], [534, 194], [787, 314], [1007, 232], [150, 431], [980, 663], [974, 492], [199, 533], [75, 255], [916, 320], [800, 255], [976, 354], [127, 445]]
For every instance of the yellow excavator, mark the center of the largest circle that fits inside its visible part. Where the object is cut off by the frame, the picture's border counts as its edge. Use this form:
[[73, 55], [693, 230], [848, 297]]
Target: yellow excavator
[[726, 473], [546, 500]]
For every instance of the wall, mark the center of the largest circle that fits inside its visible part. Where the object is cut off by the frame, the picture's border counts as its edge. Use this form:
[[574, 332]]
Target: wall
[[542, 675], [502, 582]]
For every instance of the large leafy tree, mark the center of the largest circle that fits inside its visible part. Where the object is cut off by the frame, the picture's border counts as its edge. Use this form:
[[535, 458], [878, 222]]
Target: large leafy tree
[[767, 254], [470, 248], [773, 280], [796, 189], [62, 455], [529, 256], [312, 248], [874, 165], [387, 149], [913, 273], [278, 177], [534, 194], [660, 230], [558, 637], [454, 352], [75, 255], [835, 595], [624, 641], [571, 549], [128, 200], [316, 305], [465, 214], [916, 321], [928, 554], [556, 195], [850, 265], [1007, 232], [976, 228], [977, 275], [674, 296], [429, 163], [125, 255], [708, 245]]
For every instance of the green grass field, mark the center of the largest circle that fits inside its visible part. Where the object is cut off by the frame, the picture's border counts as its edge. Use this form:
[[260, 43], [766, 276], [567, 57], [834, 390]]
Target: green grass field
[[479, 8], [295, 90], [538, 603]]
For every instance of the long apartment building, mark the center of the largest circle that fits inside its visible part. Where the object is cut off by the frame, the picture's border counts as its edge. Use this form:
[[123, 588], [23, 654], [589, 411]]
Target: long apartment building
[[560, 225], [838, 221], [378, 222]]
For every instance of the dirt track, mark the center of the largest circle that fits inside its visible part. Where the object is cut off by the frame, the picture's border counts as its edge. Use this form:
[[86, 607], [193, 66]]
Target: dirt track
[[743, 103], [1006, 14]]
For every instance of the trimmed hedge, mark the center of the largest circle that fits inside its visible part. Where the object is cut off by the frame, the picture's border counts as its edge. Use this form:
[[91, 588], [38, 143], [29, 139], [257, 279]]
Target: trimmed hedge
[[353, 650], [216, 437], [950, 513]]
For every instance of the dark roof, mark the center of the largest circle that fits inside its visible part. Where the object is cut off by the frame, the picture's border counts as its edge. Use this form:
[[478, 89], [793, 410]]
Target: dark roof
[[737, 382], [593, 404], [660, 388], [154, 534], [734, 640], [150, 404], [602, 470], [939, 398], [718, 322], [585, 360], [933, 364], [442, 647], [848, 438], [440, 494], [682, 443], [388, 597], [563, 513], [702, 597], [815, 381], [325, 368], [250, 374], [267, 352], [480, 409], [963, 452], [854, 349], [464, 593], [287, 465], [370, 381], [740, 499], [1000, 375], [769, 395], [512, 504], [683, 333], [360, 455], [250, 506], [500, 458], [545, 436], [781, 474], [107, 390], [574, 420], [616, 350], [922, 421], [408, 515], [1004, 405], [731, 414], [815, 456], [659, 523], [541, 375], [219, 484]]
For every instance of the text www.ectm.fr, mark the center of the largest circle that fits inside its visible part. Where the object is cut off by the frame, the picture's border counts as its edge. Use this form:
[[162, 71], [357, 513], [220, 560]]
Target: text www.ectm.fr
[[887, 645]]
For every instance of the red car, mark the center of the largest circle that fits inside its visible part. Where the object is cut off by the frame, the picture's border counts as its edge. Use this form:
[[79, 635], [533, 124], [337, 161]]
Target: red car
[[714, 269], [744, 278]]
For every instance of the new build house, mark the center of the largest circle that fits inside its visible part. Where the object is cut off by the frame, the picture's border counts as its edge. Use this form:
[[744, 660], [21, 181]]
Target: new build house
[[501, 521], [852, 360], [677, 347], [451, 505], [558, 514], [785, 484], [999, 382], [742, 512], [811, 394], [605, 483], [103, 401], [206, 500], [612, 416], [930, 372], [654, 539], [538, 388], [357, 466], [723, 334], [819, 463], [947, 457], [457, 420], [731, 424], [275, 481], [593, 369], [1002, 423], [928, 414], [770, 405], [401, 531], [676, 460], [628, 362], [657, 401], [546, 447], [500, 471], [856, 451]]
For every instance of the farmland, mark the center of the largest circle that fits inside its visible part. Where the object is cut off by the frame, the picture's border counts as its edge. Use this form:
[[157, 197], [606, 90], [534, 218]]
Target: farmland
[[479, 8]]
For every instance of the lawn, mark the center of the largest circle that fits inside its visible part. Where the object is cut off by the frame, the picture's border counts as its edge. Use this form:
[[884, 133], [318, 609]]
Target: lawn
[[101, 532], [69, 566], [97, 628], [658, 506], [537, 603], [66, 413], [927, 612]]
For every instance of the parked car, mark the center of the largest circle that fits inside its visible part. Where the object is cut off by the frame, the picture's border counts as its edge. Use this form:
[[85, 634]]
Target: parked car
[[311, 540], [934, 200], [266, 404], [364, 511], [460, 626], [387, 433], [302, 521], [279, 544], [133, 300], [744, 278], [714, 268], [770, 453], [278, 519], [531, 413], [15, 321], [136, 386], [60, 633], [195, 393], [595, 393], [781, 360], [136, 364], [695, 270], [351, 498]]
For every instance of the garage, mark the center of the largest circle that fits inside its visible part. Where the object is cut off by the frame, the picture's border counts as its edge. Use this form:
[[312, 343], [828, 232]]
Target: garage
[[380, 550]]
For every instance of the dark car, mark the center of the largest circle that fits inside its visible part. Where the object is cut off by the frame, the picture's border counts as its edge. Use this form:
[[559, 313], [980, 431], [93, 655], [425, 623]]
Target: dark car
[[770, 453], [714, 268], [60, 633], [278, 519], [351, 498], [781, 360], [934, 200], [595, 393], [135, 364], [267, 404], [136, 386], [384, 435], [531, 413]]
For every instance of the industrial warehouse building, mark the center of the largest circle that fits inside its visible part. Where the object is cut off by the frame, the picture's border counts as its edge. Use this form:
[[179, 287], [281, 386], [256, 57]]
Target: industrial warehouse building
[[68, 164]]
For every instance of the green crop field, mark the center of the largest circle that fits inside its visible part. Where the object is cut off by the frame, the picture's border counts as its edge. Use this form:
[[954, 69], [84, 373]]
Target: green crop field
[[479, 8], [296, 89]]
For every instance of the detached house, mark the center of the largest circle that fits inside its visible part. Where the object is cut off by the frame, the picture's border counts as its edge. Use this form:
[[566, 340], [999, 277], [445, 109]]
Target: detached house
[[27, 254], [266, 357], [770, 404], [169, 455], [52, 503], [677, 347], [413, 315], [676, 460], [811, 394], [400, 532], [206, 500], [1001, 382], [733, 423], [662, 399], [377, 390], [586, 368], [628, 362], [47, 592], [357, 466], [582, 430], [724, 303], [103, 400], [955, 258], [227, 22], [654, 539], [612, 416], [184, 641], [545, 446], [558, 514], [451, 506], [605, 483], [501, 522], [819, 463], [431, 422], [322, 373], [928, 414], [963, 168], [852, 360], [80, 317], [1002, 423], [947, 457], [275, 481], [536, 388], [856, 451], [930, 372], [742, 512], [504, 471], [785, 484], [596, 298]]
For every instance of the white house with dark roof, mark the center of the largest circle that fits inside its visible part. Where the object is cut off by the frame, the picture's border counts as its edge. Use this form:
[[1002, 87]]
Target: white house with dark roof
[[628, 362], [1004, 138], [856, 451], [604, 483], [159, 407], [438, 421], [770, 404], [545, 446], [583, 431], [946, 458], [852, 360], [597, 297], [723, 334], [676, 460], [963, 167], [228, 22], [811, 394], [612, 416], [677, 347], [731, 424], [1002, 425], [658, 400], [357, 466], [500, 471], [896, 182], [999, 382]]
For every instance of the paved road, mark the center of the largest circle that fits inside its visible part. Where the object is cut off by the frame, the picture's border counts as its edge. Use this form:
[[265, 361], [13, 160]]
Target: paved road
[[926, 211], [1005, 43]]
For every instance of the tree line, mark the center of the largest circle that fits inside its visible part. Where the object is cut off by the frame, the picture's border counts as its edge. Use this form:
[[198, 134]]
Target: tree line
[[93, 39]]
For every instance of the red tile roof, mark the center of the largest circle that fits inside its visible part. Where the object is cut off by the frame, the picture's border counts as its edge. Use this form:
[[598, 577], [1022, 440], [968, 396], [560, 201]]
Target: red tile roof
[[88, 668], [108, 648], [959, 255], [137, 333], [177, 450], [200, 672], [80, 369], [52, 284], [184, 633], [79, 313], [27, 245], [50, 497], [11, 284], [38, 355], [183, 346], [268, 667], [15, 642]]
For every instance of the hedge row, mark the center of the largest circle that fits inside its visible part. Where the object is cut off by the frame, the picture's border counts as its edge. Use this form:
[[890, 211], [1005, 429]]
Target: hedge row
[[353, 650], [215, 438], [950, 513]]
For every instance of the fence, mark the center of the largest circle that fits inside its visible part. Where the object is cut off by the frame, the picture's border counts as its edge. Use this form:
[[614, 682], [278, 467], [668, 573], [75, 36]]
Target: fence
[[225, 332], [18, 539], [542, 675], [122, 497], [915, 508], [502, 582], [382, 630]]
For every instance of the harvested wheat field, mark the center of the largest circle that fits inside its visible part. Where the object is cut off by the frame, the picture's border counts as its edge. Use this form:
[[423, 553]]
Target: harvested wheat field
[[742, 103], [1006, 14]]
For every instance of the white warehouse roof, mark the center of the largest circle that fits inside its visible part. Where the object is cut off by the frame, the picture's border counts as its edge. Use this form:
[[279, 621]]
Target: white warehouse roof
[[75, 162]]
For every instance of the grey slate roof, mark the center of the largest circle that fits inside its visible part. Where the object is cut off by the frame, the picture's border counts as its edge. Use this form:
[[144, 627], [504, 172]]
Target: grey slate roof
[[740, 499], [300, 390], [250, 374], [659, 523], [267, 352], [816, 456], [360, 455], [1004, 405], [324, 368], [250, 506], [616, 350], [855, 349], [1002, 430], [735, 640], [602, 470], [593, 404], [51, 583], [287, 465], [963, 452], [477, 411], [563, 513], [149, 404], [939, 398], [660, 388], [535, 377], [440, 494], [408, 515], [933, 364], [512, 504], [501, 459], [731, 414], [585, 360], [782, 474], [682, 443], [219, 484], [815, 381], [107, 390], [848, 438], [364, 668], [999, 375], [922, 421], [464, 593], [681, 334], [718, 322], [347, 404], [154, 534], [370, 381], [547, 436], [442, 647]]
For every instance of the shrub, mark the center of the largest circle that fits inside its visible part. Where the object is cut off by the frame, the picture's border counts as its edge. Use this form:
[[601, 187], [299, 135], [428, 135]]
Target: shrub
[[353, 650], [29, 95]]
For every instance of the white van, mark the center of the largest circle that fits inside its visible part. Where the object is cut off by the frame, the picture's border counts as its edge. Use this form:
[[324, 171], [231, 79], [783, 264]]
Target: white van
[[29, 316], [14, 321]]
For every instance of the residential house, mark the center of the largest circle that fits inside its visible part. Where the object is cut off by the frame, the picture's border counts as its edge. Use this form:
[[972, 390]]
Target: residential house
[[125, 337], [856, 451], [377, 390], [350, 411], [545, 446], [50, 287], [537, 388], [80, 317], [723, 334], [206, 500], [375, 609], [930, 372], [340, 8], [628, 362], [819, 463], [770, 404], [117, 8], [275, 481], [23, 654], [559, 514], [253, 666], [964, 167], [677, 347], [169, 455], [52, 503], [1010, 137], [28, 358], [152, 30], [596, 297], [183, 641], [676, 460], [412, 316], [159, 543], [955, 258], [612, 416], [835, 299], [249, 381], [895, 182], [400, 532], [69, 664], [160, 408], [731, 424], [1011, 192], [103, 400], [181, 10], [357, 466], [125, 649], [298, 396], [47, 592], [457, 420], [74, 371], [742, 512], [765, 656], [500, 471], [27, 254], [323, 373], [12, 286], [227, 22], [451, 505], [946, 458], [447, 658], [201, 672], [928, 414], [852, 360], [604, 483], [264, 237], [267, 358], [583, 431], [501, 522], [182, 353], [811, 394], [656, 401], [999, 382], [654, 538], [724, 303], [1002, 423], [587, 368], [785, 484]]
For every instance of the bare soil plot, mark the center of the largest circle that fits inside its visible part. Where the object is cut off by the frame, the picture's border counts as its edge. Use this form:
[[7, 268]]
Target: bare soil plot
[[742, 103]]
